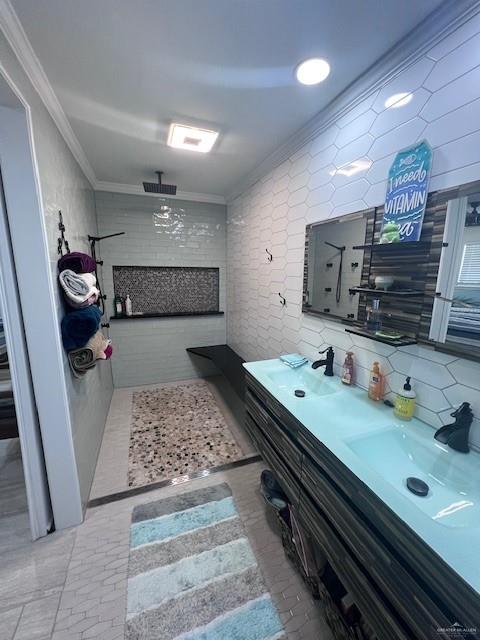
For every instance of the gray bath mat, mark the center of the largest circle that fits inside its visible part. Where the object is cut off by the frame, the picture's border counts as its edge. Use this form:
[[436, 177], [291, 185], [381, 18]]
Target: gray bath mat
[[192, 574], [177, 430]]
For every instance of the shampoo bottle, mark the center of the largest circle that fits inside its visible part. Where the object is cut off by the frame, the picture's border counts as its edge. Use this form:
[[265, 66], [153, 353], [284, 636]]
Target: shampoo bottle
[[376, 383], [405, 402], [128, 306], [117, 305], [348, 369]]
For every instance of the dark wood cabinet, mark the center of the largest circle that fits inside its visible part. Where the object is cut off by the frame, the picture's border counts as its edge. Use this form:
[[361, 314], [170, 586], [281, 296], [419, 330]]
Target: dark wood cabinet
[[402, 587]]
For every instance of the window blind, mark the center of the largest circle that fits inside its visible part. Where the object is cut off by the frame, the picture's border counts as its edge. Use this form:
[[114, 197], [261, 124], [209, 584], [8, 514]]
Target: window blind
[[470, 269]]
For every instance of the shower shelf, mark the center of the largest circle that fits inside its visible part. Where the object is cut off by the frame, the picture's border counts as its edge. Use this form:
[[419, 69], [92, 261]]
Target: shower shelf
[[177, 314]]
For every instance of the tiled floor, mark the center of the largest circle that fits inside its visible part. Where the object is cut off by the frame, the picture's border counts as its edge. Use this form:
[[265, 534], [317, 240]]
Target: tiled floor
[[92, 604], [72, 585], [111, 474]]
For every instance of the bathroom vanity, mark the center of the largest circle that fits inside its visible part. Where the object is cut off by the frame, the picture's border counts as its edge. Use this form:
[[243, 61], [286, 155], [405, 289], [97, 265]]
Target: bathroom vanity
[[411, 563]]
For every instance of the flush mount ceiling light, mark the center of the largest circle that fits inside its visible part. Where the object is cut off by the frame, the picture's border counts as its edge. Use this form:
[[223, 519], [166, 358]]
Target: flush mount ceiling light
[[398, 100], [312, 71], [182, 136]]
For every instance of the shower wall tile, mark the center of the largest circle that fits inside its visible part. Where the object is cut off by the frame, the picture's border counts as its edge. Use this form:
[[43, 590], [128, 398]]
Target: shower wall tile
[[445, 87], [193, 235], [64, 187]]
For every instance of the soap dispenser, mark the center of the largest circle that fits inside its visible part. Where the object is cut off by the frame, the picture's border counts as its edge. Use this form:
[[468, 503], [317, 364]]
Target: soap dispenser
[[376, 383], [405, 402]]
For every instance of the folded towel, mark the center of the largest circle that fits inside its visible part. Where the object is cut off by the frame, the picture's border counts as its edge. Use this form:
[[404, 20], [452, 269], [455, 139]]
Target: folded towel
[[81, 360], [79, 326], [79, 288], [78, 262], [88, 302], [99, 344], [293, 360], [84, 359]]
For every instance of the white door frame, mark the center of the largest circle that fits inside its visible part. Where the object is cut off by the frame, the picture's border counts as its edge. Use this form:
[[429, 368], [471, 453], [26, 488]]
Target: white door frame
[[34, 275], [33, 463]]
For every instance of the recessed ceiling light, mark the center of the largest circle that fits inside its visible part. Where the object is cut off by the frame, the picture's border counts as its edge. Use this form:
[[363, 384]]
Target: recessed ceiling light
[[312, 71], [398, 100], [182, 136]]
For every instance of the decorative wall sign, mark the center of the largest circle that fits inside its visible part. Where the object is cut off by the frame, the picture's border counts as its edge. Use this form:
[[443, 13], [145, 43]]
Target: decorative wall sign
[[407, 192]]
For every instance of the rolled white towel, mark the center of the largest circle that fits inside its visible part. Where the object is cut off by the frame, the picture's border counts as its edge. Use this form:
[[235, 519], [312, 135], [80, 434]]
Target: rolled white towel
[[78, 287]]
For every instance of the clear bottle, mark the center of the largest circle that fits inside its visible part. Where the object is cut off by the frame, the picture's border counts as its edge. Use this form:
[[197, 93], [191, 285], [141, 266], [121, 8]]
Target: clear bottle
[[128, 306], [374, 320], [117, 305], [348, 369], [376, 383]]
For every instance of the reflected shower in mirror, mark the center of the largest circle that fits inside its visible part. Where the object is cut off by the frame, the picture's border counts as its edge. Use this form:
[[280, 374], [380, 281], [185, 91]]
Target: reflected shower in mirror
[[333, 266]]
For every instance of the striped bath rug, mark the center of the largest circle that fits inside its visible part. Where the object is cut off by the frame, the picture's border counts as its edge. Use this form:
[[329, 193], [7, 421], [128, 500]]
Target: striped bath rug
[[192, 574]]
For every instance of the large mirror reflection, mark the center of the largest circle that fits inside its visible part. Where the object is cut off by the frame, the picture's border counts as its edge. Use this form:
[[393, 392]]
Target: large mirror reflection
[[333, 266], [456, 313]]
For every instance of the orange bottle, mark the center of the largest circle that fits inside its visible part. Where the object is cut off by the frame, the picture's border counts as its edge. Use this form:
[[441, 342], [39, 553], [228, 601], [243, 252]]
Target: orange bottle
[[376, 383]]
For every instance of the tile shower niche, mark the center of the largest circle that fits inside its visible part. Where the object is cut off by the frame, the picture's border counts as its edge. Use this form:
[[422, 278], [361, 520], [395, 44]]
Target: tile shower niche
[[168, 291]]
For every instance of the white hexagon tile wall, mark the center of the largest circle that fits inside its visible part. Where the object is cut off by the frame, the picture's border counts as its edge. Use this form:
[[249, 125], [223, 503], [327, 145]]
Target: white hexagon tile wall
[[273, 213]]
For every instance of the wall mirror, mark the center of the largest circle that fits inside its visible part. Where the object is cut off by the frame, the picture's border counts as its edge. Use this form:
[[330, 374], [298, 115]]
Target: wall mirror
[[333, 266], [456, 310]]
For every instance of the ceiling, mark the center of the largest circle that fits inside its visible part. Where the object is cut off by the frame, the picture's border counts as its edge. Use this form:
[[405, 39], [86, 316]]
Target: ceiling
[[123, 71]]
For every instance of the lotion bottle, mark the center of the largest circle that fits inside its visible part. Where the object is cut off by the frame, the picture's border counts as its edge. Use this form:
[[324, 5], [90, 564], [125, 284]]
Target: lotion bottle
[[376, 383], [405, 402], [348, 369]]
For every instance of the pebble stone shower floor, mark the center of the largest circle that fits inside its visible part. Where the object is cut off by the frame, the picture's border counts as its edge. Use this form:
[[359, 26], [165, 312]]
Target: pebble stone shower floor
[[177, 430]]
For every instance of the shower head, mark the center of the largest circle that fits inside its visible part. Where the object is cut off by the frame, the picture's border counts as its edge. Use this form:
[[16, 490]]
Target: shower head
[[158, 187]]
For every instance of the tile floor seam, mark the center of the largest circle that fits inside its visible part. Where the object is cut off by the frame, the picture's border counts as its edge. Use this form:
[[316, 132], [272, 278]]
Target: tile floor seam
[[64, 582], [18, 622]]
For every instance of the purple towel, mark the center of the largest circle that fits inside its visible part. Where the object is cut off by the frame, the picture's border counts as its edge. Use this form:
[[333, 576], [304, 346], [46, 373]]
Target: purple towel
[[77, 262]]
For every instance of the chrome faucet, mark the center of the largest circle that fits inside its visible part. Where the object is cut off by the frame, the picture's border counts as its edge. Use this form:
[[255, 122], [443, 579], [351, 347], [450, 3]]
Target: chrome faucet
[[455, 435], [328, 361]]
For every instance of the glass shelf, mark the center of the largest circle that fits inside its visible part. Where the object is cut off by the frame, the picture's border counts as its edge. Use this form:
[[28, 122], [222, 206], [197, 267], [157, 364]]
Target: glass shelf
[[387, 292], [401, 342]]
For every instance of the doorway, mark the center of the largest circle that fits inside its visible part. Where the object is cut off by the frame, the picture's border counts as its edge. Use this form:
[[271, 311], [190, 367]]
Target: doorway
[[24, 494]]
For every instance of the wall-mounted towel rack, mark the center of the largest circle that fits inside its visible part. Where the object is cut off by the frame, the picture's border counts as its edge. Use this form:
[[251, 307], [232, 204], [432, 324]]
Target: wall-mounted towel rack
[[62, 242]]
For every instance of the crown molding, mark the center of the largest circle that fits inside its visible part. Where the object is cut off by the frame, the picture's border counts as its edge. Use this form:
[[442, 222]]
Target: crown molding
[[137, 190], [435, 27], [19, 42]]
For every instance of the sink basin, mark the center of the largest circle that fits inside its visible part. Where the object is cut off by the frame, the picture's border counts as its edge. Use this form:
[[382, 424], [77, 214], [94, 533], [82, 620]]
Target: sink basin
[[397, 453], [314, 383]]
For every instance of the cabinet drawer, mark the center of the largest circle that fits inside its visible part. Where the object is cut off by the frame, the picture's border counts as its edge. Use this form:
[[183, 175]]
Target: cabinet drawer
[[370, 601], [289, 483], [402, 590], [277, 434]]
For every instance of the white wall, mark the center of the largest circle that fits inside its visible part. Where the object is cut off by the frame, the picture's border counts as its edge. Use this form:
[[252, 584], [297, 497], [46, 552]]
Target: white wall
[[63, 186], [153, 350], [445, 109]]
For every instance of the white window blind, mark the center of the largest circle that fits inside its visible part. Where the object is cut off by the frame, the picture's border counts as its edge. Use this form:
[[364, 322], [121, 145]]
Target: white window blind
[[470, 269]]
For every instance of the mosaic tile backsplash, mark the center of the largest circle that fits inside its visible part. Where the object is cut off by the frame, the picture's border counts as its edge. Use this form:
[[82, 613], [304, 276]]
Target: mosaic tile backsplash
[[168, 289]]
